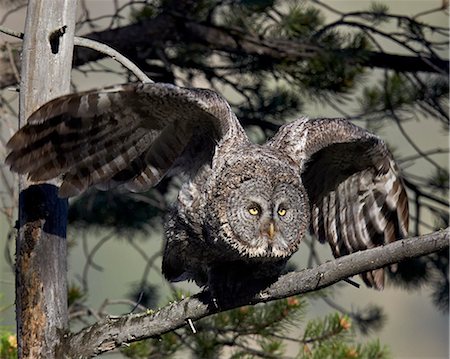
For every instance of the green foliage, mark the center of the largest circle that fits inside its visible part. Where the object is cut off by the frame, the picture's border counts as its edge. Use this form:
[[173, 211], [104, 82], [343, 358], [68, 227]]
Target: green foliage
[[199, 9], [275, 105], [369, 319], [439, 182], [145, 13], [113, 209], [300, 22], [261, 331], [329, 72], [378, 9], [8, 345], [333, 326], [257, 4], [75, 294], [395, 92], [377, 13], [163, 347], [145, 294], [441, 287], [373, 350], [434, 87], [411, 274], [432, 270], [8, 340], [191, 56], [334, 69], [331, 338]]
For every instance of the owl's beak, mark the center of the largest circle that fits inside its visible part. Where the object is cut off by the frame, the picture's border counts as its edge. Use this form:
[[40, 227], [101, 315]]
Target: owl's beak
[[268, 230], [271, 230]]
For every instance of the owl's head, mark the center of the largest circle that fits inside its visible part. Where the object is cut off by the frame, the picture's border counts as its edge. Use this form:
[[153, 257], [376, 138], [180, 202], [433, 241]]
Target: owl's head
[[264, 210]]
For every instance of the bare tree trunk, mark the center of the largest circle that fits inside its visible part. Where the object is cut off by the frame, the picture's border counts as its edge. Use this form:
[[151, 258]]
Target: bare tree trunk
[[41, 262]]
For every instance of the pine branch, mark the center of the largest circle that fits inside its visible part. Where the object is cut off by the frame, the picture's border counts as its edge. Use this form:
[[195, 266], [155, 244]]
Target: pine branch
[[112, 333], [148, 34], [167, 28]]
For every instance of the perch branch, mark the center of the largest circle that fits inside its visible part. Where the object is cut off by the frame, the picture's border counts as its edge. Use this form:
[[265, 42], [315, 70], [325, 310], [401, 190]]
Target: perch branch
[[112, 333]]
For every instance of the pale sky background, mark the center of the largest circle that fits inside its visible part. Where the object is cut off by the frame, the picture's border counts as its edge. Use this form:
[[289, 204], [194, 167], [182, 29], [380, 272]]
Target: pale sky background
[[414, 328]]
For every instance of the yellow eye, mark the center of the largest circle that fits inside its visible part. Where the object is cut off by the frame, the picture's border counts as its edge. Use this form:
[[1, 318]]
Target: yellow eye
[[254, 211], [281, 212]]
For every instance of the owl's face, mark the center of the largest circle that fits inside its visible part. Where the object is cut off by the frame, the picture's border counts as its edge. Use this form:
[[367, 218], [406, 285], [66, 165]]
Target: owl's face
[[257, 205], [268, 216]]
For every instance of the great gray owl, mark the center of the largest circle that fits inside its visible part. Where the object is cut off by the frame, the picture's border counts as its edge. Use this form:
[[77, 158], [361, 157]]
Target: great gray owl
[[245, 208]]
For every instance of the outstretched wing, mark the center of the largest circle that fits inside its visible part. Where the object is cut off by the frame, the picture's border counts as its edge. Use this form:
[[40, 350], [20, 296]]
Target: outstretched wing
[[356, 194], [128, 134]]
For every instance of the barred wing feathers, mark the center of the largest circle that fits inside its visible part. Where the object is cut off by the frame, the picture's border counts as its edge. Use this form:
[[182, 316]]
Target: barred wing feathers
[[355, 190], [128, 134]]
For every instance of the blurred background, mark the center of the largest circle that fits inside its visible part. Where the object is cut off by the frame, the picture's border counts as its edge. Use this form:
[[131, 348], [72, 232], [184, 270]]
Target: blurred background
[[384, 65]]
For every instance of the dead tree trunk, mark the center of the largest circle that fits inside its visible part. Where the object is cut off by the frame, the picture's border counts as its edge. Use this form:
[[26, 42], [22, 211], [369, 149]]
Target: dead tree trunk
[[41, 262]]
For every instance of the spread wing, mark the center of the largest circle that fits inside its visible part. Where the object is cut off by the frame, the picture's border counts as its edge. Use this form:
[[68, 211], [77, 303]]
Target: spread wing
[[356, 194], [129, 134]]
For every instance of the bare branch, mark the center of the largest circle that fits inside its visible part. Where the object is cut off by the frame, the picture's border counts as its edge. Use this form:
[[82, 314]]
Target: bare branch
[[111, 333], [90, 44], [98, 46], [10, 32]]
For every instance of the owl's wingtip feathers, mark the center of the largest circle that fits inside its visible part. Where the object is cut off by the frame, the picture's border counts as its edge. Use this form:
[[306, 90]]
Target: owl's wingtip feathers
[[18, 140], [13, 161], [126, 134]]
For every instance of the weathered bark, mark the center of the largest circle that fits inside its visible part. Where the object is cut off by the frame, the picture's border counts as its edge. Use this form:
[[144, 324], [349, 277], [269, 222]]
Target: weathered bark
[[41, 261], [111, 333]]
